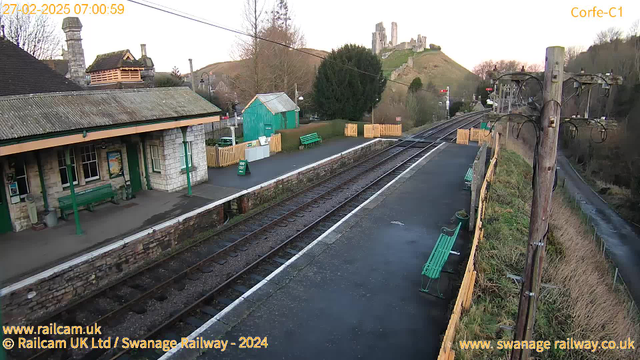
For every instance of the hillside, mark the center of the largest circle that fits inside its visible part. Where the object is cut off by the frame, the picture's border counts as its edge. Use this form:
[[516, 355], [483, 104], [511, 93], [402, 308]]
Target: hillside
[[434, 66], [232, 68]]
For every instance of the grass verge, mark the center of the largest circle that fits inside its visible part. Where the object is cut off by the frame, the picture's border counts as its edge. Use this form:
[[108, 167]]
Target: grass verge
[[581, 304], [326, 130]]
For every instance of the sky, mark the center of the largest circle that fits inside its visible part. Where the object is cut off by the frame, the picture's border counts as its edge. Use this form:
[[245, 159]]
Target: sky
[[468, 31]]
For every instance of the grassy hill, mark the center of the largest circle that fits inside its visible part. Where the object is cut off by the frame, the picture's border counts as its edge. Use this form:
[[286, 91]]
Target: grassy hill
[[232, 68], [434, 66]]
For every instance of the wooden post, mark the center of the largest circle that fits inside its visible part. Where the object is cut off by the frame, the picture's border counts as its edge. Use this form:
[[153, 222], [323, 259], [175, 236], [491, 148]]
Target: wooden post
[[542, 194]]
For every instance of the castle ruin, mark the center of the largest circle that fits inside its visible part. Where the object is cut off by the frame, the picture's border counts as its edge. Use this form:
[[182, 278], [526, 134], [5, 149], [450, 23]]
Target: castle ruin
[[379, 40]]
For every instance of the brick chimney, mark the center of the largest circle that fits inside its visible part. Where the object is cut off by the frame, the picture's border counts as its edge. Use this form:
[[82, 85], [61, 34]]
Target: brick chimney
[[75, 54]]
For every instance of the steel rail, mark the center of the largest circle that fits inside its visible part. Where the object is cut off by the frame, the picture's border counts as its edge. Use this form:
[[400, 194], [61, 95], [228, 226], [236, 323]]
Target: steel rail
[[241, 273]]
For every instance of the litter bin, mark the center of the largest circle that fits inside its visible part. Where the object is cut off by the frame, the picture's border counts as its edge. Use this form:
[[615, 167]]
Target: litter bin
[[51, 218], [31, 209]]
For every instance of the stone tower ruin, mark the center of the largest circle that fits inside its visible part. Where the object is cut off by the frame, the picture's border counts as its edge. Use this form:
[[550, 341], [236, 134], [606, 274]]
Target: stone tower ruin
[[74, 54], [379, 39], [394, 34]]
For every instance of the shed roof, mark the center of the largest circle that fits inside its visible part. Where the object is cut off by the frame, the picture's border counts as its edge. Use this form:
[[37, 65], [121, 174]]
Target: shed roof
[[114, 60], [276, 102], [21, 73], [38, 114]]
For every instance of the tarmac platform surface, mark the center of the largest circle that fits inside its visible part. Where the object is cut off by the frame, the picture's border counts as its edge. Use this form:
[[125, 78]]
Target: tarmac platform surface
[[28, 252], [354, 292]]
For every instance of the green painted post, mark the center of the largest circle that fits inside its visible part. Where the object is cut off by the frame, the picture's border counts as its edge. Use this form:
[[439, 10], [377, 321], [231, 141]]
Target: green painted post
[[144, 159], [42, 185], [186, 159], [73, 192]]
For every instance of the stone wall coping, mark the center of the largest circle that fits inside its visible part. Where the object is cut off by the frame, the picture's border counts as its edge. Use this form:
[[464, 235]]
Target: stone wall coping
[[121, 243]]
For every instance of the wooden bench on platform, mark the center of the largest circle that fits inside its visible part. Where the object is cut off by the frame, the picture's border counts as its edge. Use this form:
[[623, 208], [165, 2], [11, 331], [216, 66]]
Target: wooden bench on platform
[[310, 139], [87, 198], [433, 267]]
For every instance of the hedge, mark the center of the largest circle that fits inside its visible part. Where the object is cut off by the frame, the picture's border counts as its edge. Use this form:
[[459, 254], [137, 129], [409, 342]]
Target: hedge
[[326, 130]]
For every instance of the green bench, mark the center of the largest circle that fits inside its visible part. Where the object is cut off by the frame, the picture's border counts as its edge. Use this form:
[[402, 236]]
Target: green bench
[[310, 139], [468, 177], [433, 267], [87, 198]]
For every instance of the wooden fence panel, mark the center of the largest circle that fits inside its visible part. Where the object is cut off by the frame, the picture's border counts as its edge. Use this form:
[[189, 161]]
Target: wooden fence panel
[[391, 129], [220, 157], [462, 137], [351, 130], [275, 143], [376, 130], [368, 131]]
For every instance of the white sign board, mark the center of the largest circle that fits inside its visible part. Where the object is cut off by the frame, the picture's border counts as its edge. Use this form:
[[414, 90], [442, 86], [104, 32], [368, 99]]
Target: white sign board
[[398, 118]]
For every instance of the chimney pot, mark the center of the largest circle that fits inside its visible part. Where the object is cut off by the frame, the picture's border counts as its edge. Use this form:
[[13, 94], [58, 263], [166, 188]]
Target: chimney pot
[[143, 50]]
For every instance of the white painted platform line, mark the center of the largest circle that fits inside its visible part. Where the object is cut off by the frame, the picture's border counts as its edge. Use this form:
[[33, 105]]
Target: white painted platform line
[[120, 243], [218, 316]]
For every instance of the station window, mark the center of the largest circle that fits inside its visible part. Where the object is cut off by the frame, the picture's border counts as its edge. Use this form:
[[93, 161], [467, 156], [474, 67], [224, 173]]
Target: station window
[[155, 158], [182, 155], [63, 168], [21, 178], [89, 162]]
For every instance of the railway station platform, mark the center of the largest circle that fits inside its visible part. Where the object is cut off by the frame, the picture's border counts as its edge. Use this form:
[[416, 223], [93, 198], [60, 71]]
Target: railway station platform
[[353, 293], [29, 252]]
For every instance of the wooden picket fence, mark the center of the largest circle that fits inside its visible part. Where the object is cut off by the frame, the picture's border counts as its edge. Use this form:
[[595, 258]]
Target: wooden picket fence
[[462, 137], [225, 156], [465, 294], [351, 130], [377, 130]]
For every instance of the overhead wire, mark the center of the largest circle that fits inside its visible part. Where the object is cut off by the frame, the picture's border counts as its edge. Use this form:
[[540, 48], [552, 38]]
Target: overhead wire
[[187, 16]]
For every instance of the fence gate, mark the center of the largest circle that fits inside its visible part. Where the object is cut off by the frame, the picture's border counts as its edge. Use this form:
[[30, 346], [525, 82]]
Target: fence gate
[[351, 130]]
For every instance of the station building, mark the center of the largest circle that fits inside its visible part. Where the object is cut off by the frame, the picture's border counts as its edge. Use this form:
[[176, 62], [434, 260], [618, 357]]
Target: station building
[[135, 137]]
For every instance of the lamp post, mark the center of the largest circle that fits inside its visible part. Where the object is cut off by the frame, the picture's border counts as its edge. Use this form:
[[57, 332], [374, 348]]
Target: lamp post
[[208, 83]]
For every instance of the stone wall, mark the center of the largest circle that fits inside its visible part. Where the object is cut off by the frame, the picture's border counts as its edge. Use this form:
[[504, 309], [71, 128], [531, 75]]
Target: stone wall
[[30, 302], [35, 300], [304, 178], [176, 177]]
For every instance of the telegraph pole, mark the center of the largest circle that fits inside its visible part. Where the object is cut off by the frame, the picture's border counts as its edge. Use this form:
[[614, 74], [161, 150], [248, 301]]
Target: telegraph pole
[[542, 194]]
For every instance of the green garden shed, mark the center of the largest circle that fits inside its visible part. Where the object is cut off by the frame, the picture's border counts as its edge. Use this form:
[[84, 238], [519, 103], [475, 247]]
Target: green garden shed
[[267, 113]]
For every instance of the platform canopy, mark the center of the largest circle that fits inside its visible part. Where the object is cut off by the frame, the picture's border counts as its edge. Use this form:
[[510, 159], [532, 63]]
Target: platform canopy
[[37, 121]]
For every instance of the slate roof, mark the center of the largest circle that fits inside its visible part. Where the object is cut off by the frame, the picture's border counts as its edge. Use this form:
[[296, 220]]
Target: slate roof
[[60, 66], [276, 102], [23, 116], [113, 60], [21, 73]]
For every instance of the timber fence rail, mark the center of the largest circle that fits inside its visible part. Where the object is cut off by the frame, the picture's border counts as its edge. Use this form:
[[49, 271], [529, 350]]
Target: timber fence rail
[[463, 300]]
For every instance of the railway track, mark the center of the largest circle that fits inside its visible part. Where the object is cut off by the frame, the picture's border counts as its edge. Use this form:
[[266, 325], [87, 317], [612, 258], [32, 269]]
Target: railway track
[[175, 295]]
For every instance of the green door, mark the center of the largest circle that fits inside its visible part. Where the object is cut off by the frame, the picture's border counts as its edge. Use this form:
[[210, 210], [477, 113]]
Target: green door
[[268, 130], [5, 218], [134, 167]]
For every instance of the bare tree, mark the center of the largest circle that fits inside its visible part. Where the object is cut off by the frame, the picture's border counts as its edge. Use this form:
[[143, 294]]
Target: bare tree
[[608, 36], [572, 53], [634, 29], [249, 48], [36, 34], [502, 66]]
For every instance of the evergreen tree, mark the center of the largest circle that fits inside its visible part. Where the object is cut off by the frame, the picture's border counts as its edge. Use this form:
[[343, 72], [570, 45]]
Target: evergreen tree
[[342, 92], [416, 84]]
